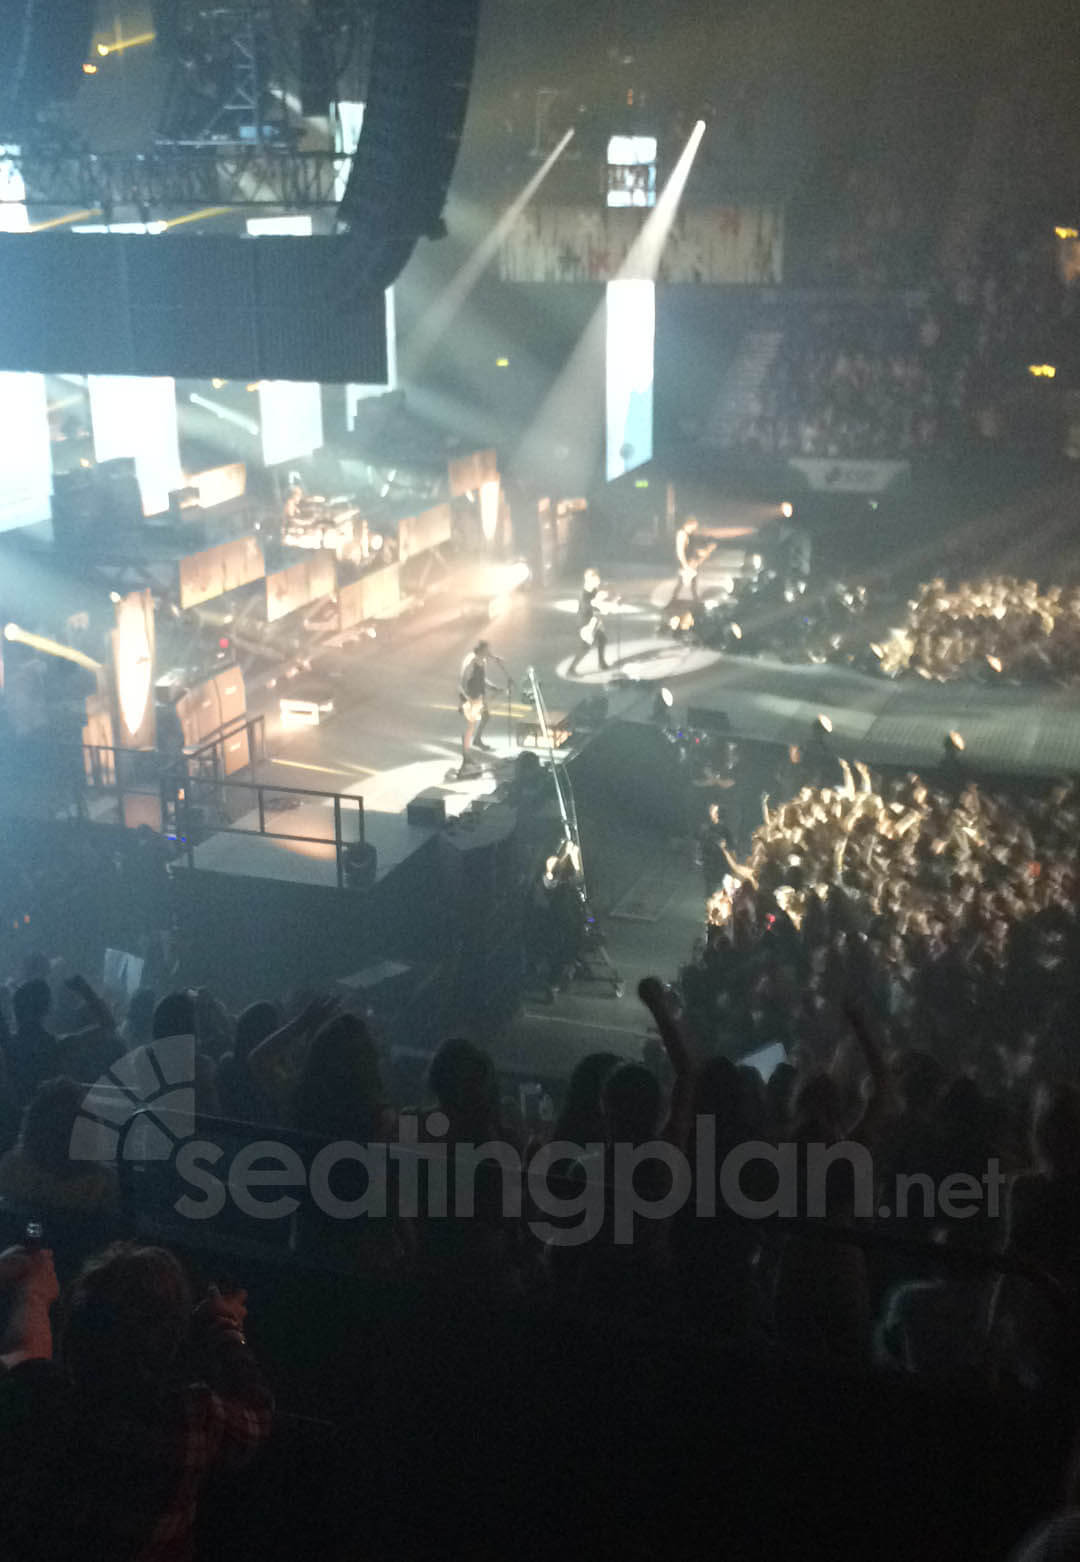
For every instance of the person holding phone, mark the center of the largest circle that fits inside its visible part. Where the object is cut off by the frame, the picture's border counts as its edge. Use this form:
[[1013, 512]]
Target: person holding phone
[[106, 1453]]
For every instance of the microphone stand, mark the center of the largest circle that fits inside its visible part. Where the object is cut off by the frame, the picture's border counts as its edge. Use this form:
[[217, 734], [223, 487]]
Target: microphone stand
[[509, 704]]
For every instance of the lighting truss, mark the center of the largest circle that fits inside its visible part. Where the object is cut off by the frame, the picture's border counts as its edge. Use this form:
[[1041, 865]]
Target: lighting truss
[[178, 179]]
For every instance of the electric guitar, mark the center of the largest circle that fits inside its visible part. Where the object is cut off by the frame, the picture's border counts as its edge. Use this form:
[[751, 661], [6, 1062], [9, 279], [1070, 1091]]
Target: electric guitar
[[688, 573], [602, 604]]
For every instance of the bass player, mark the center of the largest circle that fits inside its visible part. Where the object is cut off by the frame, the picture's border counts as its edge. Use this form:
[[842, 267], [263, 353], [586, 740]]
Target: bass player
[[592, 605]]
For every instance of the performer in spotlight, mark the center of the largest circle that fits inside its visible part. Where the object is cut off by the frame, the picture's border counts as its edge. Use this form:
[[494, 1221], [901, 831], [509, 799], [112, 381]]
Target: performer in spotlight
[[293, 505], [690, 555], [592, 604], [473, 689], [293, 508]]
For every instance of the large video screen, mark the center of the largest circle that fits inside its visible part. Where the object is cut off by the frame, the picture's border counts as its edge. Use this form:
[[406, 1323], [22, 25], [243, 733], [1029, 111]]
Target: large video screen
[[25, 453], [629, 358], [135, 415], [291, 416]]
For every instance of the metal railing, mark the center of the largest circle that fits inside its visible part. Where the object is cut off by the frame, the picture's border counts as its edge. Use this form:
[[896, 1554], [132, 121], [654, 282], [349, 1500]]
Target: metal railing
[[235, 745], [122, 775], [193, 799], [262, 799]]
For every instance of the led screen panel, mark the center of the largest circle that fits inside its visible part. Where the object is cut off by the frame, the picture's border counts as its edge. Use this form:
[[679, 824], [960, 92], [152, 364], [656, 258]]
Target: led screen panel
[[25, 452], [134, 415], [291, 415], [631, 151], [296, 226], [629, 360]]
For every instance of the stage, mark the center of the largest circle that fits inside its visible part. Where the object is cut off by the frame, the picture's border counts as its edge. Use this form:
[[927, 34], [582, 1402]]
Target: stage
[[396, 729]]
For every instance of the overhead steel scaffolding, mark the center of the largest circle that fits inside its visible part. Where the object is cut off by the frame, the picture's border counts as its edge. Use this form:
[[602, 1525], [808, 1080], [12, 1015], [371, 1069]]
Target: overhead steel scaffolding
[[177, 179]]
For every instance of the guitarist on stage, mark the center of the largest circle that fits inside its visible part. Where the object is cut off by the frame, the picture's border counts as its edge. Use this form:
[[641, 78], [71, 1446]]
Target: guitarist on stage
[[473, 690], [690, 555], [591, 604]]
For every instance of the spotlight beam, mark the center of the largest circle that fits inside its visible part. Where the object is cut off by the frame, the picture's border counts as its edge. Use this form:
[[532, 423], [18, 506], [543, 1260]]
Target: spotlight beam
[[50, 647], [226, 414], [105, 49], [643, 259], [433, 324], [572, 408], [61, 222]]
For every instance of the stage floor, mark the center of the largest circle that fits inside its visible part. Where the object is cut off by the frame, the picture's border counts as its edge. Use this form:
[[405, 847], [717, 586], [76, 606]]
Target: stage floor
[[396, 732], [396, 728]]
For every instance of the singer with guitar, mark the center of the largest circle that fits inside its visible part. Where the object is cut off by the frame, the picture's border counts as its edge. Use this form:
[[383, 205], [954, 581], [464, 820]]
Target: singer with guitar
[[592, 605], [473, 688]]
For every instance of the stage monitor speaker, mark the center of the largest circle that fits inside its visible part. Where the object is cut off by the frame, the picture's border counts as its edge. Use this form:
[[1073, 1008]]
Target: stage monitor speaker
[[590, 714], [704, 720], [76, 508], [121, 496], [631, 769], [361, 863], [422, 59], [428, 809]]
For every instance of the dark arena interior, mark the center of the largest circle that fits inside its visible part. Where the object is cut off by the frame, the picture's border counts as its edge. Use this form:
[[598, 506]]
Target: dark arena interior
[[539, 779]]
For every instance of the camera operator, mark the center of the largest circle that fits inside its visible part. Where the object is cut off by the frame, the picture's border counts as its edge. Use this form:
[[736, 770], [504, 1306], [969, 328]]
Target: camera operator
[[558, 919]]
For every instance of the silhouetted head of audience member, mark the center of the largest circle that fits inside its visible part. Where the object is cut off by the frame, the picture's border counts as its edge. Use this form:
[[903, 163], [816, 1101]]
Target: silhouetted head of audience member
[[47, 1125], [816, 1110], [717, 1094], [36, 967], [340, 1089], [581, 1120], [125, 1322], [257, 1021], [174, 1016], [920, 1079], [462, 1080], [31, 1003], [631, 1100]]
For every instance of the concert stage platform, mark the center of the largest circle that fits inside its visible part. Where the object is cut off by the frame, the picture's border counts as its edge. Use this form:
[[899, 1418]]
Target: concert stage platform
[[310, 856]]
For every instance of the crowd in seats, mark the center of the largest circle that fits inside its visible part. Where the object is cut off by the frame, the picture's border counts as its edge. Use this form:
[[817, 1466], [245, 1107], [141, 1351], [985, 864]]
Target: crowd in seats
[[942, 370], [877, 236], [994, 628], [907, 949]]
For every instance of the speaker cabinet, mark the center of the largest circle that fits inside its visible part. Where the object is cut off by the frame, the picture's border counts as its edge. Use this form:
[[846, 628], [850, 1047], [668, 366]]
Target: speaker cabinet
[[428, 809]]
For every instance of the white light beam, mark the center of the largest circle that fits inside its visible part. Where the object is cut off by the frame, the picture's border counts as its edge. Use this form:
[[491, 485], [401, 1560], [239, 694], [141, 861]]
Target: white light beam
[[433, 324]]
